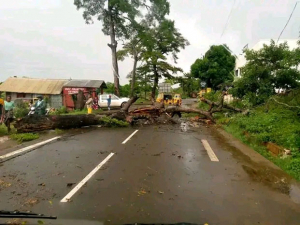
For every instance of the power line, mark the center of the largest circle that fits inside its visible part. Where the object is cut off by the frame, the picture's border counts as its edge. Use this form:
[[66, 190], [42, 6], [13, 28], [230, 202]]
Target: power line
[[287, 21], [226, 24]]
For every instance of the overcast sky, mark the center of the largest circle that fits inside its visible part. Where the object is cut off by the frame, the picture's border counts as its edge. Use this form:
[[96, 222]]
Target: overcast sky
[[49, 39]]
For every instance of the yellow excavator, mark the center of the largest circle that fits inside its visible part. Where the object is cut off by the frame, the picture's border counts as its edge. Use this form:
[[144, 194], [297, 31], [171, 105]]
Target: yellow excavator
[[169, 99]]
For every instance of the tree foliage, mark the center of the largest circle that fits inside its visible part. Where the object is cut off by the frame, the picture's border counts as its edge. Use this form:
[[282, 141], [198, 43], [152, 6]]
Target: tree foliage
[[161, 39], [215, 68], [116, 16], [118, 13], [124, 89], [188, 84], [274, 67], [132, 48]]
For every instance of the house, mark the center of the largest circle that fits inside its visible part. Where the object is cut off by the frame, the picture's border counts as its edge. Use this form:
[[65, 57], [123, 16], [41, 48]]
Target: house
[[72, 87], [58, 91], [29, 88], [241, 60]]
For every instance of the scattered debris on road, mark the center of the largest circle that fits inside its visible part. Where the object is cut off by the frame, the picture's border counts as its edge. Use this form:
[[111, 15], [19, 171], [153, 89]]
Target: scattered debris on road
[[32, 201], [70, 184], [158, 154], [4, 184], [142, 192]]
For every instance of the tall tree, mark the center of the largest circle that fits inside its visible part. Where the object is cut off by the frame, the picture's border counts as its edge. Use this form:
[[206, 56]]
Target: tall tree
[[143, 84], [162, 39], [132, 48], [115, 16], [270, 68], [216, 67]]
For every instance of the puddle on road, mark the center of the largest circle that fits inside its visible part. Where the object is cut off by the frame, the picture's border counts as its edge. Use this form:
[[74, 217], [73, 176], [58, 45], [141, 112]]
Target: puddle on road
[[295, 193], [184, 127]]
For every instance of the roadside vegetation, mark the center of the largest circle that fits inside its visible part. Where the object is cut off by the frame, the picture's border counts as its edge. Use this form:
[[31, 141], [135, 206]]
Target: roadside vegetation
[[269, 90], [63, 111], [268, 122], [109, 122], [20, 138]]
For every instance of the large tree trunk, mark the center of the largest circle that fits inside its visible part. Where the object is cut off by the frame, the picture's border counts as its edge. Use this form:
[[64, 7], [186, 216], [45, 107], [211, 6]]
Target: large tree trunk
[[155, 84], [133, 76], [123, 113], [113, 46], [80, 102], [208, 115], [40, 123]]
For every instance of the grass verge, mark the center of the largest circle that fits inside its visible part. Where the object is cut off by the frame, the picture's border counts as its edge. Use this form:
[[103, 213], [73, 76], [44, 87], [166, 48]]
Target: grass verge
[[20, 138], [290, 165], [109, 122], [270, 122], [3, 130]]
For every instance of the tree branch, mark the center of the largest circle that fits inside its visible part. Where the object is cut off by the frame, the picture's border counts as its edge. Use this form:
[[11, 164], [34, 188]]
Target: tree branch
[[281, 103]]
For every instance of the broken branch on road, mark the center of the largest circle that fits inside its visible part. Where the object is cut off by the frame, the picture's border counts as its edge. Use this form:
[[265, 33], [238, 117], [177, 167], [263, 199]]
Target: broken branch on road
[[153, 114]]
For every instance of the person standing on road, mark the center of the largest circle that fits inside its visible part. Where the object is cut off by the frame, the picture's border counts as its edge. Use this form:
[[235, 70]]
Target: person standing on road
[[40, 106], [108, 102], [8, 113], [89, 104]]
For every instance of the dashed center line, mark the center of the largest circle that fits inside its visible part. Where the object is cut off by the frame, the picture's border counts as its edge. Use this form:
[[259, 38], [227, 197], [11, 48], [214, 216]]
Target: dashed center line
[[79, 185], [26, 149], [210, 152], [127, 139]]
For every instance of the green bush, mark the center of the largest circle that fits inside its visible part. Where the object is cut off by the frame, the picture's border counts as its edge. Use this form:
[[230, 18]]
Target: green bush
[[60, 111], [280, 125], [21, 109], [24, 137], [109, 122], [271, 122]]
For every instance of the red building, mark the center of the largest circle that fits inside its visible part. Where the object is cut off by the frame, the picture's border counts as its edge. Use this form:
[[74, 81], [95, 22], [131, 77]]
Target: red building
[[87, 86]]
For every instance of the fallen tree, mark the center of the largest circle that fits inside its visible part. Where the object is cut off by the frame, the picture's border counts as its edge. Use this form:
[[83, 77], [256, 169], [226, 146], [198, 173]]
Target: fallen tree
[[40, 123], [152, 113]]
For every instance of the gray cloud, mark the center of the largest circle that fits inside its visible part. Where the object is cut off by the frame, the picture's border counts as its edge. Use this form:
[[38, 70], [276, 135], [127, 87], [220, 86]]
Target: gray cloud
[[52, 40]]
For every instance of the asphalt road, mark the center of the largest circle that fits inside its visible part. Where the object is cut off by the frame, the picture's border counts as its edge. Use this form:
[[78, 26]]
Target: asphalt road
[[162, 174]]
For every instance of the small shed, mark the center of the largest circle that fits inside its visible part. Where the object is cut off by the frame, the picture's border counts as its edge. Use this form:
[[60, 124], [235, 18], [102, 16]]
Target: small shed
[[30, 88], [72, 87]]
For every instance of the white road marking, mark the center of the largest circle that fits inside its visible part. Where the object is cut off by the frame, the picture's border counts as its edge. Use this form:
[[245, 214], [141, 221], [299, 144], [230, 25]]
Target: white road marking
[[26, 149], [210, 152], [127, 139], [79, 185]]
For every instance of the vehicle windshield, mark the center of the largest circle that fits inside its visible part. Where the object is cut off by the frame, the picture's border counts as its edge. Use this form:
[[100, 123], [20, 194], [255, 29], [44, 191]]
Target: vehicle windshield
[[150, 112]]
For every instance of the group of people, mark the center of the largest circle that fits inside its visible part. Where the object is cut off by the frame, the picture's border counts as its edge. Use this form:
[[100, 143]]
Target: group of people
[[7, 110]]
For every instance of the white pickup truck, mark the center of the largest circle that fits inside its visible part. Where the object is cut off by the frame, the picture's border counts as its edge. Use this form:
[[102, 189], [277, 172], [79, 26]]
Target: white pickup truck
[[115, 101]]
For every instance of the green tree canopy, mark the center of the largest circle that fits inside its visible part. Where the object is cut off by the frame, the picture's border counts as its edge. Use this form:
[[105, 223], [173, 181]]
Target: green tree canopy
[[215, 68], [161, 39], [116, 17], [188, 84], [272, 67]]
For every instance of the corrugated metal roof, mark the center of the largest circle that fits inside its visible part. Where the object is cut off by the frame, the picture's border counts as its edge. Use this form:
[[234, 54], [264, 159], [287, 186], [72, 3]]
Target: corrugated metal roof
[[31, 85], [85, 83]]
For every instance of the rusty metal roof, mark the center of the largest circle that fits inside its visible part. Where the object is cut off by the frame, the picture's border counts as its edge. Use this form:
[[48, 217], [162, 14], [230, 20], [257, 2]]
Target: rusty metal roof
[[85, 83], [31, 85]]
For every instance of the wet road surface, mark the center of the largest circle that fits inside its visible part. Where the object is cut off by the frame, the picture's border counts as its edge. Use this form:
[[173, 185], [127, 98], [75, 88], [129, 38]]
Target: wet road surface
[[162, 174]]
